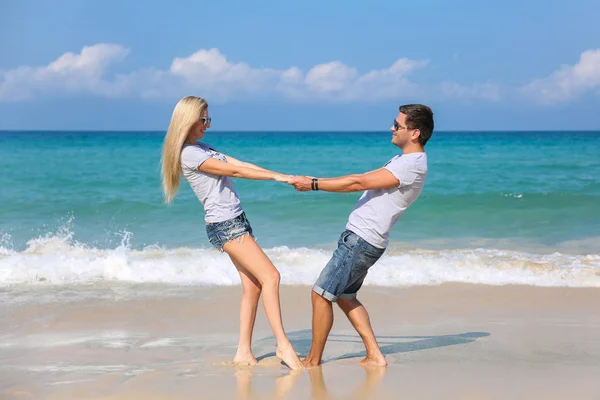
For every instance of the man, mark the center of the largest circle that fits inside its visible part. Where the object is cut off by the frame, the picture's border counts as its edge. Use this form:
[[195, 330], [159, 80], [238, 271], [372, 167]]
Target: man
[[389, 191]]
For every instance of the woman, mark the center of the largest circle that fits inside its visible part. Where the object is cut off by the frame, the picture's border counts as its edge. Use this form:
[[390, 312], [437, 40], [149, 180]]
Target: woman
[[209, 174]]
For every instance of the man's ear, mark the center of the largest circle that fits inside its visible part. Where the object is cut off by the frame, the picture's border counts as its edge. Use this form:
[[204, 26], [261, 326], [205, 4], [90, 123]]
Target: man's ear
[[416, 133]]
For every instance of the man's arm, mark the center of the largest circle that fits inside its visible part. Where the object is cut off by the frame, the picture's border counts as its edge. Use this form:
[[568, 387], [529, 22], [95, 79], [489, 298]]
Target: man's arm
[[377, 179], [239, 163]]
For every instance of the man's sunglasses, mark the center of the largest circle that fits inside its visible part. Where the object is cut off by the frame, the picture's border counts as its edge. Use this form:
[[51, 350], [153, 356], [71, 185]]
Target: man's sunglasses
[[397, 126]]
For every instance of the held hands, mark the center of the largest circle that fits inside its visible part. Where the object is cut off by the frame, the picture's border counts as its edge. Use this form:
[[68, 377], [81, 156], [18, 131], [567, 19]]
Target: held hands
[[300, 183]]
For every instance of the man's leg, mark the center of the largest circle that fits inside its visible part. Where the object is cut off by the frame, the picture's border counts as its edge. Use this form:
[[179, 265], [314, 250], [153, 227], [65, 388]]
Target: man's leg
[[331, 282], [358, 316], [322, 321]]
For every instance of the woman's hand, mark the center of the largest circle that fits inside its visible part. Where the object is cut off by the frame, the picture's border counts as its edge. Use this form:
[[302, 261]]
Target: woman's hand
[[283, 178]]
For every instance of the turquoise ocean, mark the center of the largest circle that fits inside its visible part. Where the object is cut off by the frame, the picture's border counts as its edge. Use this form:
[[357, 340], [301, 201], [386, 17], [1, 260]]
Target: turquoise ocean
[[85, 208]]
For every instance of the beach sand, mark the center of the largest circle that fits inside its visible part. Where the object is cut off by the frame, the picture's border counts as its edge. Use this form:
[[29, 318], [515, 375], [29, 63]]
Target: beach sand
[[454, 341]]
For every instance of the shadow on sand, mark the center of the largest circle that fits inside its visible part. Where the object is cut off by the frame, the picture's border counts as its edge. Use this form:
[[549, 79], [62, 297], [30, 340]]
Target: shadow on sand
[[301, 340]]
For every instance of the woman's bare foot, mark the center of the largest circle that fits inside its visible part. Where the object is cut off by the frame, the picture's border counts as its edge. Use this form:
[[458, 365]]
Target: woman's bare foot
[[289, 356], [245, 358], [377, 361]]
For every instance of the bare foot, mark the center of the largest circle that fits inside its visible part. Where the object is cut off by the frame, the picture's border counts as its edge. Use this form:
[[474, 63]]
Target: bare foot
[[288, 356], [373, 362], [244, 358], [309, 363]]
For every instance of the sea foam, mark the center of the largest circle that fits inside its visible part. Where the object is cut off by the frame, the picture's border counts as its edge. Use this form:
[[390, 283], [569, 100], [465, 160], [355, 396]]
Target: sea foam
[[56, 259]]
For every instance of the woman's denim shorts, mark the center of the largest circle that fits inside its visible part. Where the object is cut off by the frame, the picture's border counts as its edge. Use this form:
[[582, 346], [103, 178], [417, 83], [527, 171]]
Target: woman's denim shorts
[[220, 233]]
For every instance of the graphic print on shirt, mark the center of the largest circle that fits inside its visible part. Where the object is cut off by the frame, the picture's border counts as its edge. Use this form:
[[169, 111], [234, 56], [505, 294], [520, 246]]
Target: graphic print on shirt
[[215, 154]]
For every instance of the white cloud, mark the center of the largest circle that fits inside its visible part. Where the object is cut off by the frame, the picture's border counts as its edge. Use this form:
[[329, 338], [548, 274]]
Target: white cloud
[[210, 68], [331, 77], [569, 81], [210, 74], [69, 73]]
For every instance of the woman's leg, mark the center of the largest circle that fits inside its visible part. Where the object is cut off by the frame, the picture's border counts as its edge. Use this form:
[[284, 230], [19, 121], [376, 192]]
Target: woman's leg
[[246, 253], [249, 303]]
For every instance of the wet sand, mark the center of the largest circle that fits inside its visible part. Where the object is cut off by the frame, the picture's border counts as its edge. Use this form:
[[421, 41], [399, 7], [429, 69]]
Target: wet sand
[[164, 342]]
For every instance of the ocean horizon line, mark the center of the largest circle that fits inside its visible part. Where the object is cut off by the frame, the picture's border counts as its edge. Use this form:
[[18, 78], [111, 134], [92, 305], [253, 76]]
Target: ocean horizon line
[[298, 131]]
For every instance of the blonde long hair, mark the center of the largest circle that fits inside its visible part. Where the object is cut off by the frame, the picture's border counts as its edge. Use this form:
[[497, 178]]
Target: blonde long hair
[[186, 113]]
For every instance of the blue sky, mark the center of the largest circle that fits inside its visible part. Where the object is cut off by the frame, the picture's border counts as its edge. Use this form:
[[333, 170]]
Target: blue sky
[[310, 65]]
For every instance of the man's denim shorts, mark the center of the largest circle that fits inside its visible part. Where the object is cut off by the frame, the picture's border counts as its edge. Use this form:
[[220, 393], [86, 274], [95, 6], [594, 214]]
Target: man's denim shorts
[[345, 273], [220, 233]]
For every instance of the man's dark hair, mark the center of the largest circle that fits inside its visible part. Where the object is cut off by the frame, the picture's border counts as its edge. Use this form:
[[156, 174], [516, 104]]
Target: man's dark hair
[[419, 116]]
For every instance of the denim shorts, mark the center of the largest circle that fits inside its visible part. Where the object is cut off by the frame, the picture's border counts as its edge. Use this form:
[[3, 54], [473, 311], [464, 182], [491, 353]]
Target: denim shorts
[[220, 233], [347, 269]]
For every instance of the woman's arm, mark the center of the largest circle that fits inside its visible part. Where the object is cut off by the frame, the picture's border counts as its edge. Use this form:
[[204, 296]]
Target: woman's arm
[[243, 163], [218, 167]]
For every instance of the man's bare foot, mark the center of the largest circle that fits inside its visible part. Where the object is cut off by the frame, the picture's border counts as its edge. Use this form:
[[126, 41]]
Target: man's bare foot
[[369, 361], [309, 362], [289, 356], [245, 358]]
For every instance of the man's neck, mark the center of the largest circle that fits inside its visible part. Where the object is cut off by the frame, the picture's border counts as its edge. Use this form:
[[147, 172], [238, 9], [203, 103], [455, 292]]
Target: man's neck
[[413, 148]]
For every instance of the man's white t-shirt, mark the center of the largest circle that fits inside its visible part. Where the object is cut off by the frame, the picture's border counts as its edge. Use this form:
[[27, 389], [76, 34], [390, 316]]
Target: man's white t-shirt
[[377, 210]]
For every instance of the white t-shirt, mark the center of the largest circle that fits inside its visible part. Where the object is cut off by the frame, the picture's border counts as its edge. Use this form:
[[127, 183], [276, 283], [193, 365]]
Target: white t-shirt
[[215, 192], [378, 210]]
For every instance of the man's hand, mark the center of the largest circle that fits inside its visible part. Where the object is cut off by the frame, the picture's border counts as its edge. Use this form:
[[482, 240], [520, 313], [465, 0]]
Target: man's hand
[[301, 183]]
